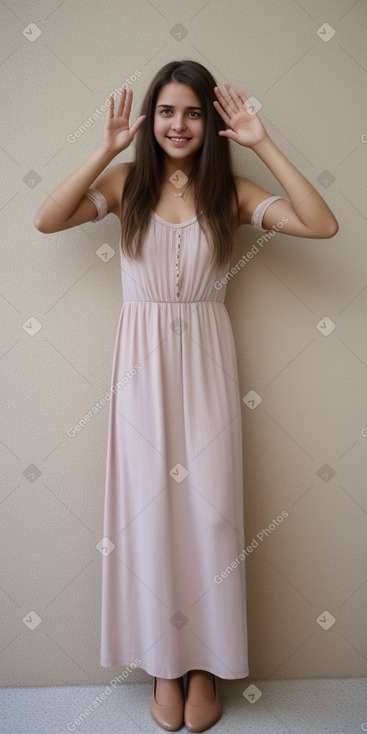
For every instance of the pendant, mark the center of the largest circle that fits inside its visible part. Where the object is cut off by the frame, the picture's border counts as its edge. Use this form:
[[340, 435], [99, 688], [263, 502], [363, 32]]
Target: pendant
[[179, 194]]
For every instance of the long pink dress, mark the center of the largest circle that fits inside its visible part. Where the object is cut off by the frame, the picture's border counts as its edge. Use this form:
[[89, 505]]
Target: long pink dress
[[173, 515]]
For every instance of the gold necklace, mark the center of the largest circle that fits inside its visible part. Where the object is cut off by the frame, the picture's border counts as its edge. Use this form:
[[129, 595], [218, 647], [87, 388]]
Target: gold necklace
[[176, 177], [182, 193]]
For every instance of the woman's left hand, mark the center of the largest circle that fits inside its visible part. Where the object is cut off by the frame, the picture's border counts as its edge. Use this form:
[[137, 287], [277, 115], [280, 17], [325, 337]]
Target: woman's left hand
[[244, 125]]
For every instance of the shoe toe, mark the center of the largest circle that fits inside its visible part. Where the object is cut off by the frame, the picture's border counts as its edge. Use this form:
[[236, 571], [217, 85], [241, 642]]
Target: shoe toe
[[169, 717], [200, 718]]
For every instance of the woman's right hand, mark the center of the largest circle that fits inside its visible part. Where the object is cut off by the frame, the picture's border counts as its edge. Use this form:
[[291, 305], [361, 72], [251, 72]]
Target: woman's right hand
[[117, 135]]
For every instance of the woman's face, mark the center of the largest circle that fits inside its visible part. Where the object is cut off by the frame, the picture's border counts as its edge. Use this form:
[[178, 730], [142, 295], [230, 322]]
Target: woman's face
[[178, 121]]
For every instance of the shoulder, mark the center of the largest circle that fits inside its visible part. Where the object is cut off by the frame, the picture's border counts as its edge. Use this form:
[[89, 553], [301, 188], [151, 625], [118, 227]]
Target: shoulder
[[249, 196]]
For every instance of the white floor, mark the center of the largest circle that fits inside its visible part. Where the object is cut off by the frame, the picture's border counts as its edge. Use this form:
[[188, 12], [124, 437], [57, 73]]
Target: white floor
[[317, 706]]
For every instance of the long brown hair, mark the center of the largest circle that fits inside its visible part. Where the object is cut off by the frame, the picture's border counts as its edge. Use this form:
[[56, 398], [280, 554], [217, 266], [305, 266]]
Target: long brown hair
[[212, 173]]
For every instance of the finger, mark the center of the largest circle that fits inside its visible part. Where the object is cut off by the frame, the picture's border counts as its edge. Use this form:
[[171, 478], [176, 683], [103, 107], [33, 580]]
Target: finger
[[228, 134], [242, 96], [121, 102], [234, 97], [127, 102], [137, 124], [246, 105], [222, 99], [110, 108], [222, 113], [128, 105], [229, 97]]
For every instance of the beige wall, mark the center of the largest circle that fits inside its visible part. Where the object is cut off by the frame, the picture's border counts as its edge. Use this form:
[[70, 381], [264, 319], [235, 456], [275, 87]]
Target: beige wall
[[313, 386]]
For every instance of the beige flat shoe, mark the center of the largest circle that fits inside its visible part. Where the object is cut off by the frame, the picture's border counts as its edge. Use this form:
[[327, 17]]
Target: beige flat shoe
[[200, 718], [168, 716]]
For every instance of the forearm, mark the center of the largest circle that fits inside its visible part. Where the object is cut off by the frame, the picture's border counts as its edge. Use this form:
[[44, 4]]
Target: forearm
[[64, 199], [305, 200]]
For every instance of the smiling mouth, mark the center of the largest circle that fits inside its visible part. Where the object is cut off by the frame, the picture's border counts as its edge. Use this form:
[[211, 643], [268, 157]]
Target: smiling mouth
[[177, 139]]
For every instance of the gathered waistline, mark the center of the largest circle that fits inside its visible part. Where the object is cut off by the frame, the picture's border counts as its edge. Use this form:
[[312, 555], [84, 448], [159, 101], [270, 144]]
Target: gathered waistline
[[207, 300]]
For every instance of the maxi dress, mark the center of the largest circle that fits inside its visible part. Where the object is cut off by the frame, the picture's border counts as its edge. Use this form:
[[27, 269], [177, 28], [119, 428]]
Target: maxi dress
[[173, 512]]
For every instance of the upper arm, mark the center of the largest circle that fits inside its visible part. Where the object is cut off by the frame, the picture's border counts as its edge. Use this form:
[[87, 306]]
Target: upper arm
[[110, 183], [279, 215], [249, 196]]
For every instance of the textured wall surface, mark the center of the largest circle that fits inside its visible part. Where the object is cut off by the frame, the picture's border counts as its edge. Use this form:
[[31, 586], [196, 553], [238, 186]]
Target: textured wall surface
[[298, 309]]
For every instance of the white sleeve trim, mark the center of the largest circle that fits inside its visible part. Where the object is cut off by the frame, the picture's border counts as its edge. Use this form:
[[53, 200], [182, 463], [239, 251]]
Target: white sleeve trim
[[99, 201], [258, 214]]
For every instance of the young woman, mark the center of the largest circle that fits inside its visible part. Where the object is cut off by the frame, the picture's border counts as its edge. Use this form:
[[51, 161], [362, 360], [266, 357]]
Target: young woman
[[173, 588]]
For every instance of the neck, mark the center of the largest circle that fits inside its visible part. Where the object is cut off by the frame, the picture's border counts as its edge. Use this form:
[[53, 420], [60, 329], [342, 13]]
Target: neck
[[171, 165]]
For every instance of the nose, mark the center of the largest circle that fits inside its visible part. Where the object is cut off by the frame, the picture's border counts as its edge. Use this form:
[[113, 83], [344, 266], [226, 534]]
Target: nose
[[178, 123]]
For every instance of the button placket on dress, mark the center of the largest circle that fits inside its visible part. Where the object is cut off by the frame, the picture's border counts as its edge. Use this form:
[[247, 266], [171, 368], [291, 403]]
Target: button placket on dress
[[178, 263]]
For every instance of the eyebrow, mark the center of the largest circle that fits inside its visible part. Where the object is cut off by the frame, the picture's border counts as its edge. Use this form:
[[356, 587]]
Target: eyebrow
[[171, 107]]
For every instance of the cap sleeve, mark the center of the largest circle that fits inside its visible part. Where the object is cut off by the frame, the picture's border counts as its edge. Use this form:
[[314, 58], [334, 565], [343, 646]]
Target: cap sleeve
[[258, 214], [99, 201]]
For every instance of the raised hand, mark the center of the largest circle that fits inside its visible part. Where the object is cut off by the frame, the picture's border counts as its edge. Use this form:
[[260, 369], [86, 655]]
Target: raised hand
[[117, 135], [244, 125]]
